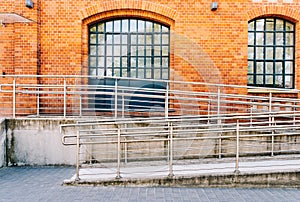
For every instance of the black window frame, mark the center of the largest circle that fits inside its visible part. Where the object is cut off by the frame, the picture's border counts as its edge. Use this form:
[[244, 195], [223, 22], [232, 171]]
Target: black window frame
[[147, 53], [262, 65]]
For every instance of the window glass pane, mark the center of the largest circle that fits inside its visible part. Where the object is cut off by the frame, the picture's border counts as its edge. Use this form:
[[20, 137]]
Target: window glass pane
[[124, 73], [117, 72], [157, 51], [148, 62], [259, 80], [133, 39], [289, 39], [124, 51], [260, 53], [148, 50], [269, 24], [278, 68], [149, 39], [165, 74], [164, 29], [101, 62], [289, 81], [269, 53], [259, 39], [141, 62], [93, 72], [278, 81], [250, 38], [124, 39], [109, 50], [101, 50], [269, 80], [156, 27], [109, 27], [269, 38], [156, 38], [156, 62], [250, 79], [100, 72], [157, 74], [141, 39], [93, 38], [289, 53], [117, 26], [117, 62], [109, 39], [93, 61], [279, 53], [133, 51], [117, 39], [165, 62], [133, 73], [279, 39], [141, 51], [109, 62], [260, 25], [250, 67], [289, 68], [141, 26], [165, 50], [141, 73], [124, 25], [148, 73], [251, 26], [289, 26], [149, 26], [260, 68], [101, 27], [117, 50], [269, 69], [133, 25], [124, 63], [279, 25], [93, 50], [109, 72], [101, 39], [250, 52], [93, 29], [133, 62], [165, 39]]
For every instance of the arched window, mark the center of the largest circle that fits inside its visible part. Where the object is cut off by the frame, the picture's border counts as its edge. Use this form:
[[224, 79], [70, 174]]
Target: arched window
[[132, 48], [129, 48], [271, 53]]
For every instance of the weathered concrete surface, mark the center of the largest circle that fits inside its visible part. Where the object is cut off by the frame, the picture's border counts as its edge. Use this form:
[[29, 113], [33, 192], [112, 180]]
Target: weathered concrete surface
[[2, 143], [37, 142], [278, 179]]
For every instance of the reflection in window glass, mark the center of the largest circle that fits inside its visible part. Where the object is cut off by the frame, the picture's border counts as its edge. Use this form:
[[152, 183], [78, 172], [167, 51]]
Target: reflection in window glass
[[271, 50]]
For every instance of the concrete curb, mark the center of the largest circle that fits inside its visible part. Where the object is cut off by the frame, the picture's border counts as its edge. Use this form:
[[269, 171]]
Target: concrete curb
[[289, 179]]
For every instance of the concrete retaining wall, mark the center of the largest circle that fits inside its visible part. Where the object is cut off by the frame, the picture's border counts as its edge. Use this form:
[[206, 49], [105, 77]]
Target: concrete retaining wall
[[37, 142], [2, 143]]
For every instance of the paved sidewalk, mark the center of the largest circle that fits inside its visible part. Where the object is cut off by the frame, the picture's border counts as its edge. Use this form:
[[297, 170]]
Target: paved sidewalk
[[45, 184]]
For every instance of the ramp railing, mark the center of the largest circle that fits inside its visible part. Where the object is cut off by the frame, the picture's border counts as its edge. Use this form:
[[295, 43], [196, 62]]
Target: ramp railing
[[174, 146], [119, 98]]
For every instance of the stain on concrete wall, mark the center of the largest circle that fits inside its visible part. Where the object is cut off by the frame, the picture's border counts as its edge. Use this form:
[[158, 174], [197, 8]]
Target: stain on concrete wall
[[2, 143], [37, 142]]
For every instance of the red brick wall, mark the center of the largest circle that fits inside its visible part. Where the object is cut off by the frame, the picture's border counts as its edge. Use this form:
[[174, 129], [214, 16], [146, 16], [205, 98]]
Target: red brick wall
[[209, 46]]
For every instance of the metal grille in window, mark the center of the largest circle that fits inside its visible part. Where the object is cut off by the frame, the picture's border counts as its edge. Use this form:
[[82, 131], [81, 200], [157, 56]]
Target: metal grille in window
[[129, 48], [271, 53]]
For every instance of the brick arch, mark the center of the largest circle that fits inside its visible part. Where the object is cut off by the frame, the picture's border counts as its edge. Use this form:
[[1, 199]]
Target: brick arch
[[276, 11], [110, 9], [138, 5]]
